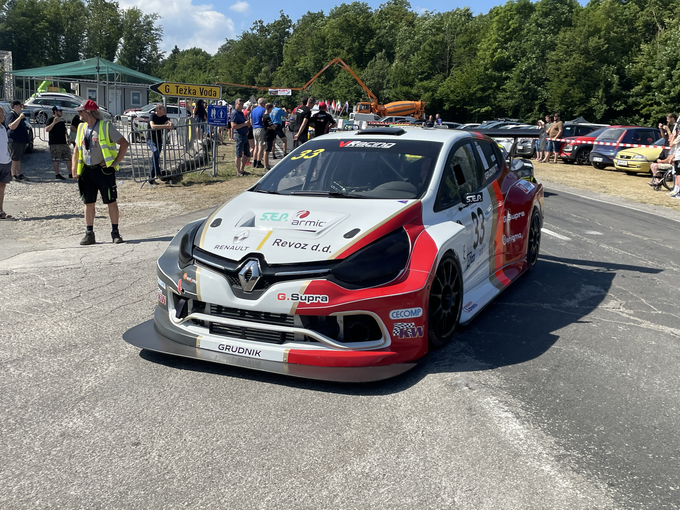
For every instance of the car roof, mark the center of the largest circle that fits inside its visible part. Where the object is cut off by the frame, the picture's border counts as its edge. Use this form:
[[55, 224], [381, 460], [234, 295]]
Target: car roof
[[415, 133]]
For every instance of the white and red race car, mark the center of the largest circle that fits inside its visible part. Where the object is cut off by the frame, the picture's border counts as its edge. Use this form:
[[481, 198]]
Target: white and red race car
[[352, 259]]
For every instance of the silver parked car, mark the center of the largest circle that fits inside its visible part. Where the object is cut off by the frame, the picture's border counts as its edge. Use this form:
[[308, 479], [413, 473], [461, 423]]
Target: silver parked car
[[39, 106]]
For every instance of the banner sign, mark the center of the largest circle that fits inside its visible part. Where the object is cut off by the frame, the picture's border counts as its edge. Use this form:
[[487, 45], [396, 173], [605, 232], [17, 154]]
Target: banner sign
[[280, 92]]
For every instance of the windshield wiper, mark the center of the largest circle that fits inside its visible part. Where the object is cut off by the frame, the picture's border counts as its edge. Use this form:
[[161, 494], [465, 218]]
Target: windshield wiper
[[268, 191], [332, 194]]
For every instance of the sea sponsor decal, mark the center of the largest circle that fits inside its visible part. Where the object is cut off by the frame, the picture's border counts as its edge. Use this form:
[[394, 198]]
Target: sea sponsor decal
[[302, 298], [240, 351], [161, 284], [407, 330], [474, 198], [509, 216], [406, 313], [230, 247], [274, 216], [525, 186], [295, 245], [161, 298], [367, 145], [512, 238], [470, 306]]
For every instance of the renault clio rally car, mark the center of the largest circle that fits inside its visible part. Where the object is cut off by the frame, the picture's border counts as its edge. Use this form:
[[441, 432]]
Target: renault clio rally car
[[353, 258]]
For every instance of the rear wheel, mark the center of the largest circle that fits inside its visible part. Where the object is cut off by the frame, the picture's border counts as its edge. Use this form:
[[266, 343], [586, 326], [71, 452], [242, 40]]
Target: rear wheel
[[445, 304], [582, 157], [668, 180], [41, 118], [534, 242]]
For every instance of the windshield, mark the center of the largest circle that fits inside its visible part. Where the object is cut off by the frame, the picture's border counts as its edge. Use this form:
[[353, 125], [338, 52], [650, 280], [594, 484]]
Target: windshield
[[388, 168], [611, 135]]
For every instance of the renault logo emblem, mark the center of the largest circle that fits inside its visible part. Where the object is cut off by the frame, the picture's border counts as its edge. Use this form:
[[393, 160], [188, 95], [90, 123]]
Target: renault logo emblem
[[249, 275], [241, 236]]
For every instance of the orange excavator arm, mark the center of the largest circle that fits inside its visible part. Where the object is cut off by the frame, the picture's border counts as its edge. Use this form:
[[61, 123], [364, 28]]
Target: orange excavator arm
[[338, 61]]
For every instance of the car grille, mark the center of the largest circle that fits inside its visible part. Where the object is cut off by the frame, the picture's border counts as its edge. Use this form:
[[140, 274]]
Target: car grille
[[278, 319], [257, 335], [624, 156]]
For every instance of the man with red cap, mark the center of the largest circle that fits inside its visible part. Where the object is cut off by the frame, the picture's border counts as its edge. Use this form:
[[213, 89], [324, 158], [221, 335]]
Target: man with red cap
[[95, 162], [322, 121]]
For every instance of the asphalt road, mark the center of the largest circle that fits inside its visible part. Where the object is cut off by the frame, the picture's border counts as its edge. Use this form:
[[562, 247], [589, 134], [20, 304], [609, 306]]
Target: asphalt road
[[562, 394]]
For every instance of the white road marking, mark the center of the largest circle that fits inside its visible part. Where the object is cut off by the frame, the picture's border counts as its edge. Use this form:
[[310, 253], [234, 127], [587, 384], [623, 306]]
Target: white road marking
[[593, 233], [555, 234]]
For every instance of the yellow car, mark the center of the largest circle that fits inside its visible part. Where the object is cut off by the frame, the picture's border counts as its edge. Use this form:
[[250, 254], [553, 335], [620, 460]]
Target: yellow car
[[638, 159]]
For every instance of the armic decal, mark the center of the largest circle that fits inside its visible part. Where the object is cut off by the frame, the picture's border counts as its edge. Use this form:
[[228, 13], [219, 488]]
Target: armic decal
[[302, 214]]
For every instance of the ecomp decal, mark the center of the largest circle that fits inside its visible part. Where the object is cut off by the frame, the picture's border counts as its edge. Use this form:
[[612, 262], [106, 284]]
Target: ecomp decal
[[367, 145], [303, 298], [407, 330], [406, 313]]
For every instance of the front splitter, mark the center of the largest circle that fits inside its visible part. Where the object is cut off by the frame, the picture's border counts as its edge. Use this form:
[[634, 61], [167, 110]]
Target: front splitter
[[145, 336]]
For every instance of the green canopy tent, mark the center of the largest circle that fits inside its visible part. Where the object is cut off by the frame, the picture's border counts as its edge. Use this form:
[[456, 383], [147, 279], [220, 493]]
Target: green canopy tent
[[96, 69]]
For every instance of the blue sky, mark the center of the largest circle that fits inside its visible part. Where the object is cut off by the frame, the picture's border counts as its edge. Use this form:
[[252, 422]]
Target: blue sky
[[196, 23]]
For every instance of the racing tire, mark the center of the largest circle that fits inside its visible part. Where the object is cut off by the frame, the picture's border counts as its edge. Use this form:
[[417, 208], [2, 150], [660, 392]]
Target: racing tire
[[445, 303], [41, 118], [533, 240], [668, 180], [599, 166], [582, 157]]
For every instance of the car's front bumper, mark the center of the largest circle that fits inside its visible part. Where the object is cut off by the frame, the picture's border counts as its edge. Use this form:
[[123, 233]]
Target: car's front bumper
[[633, 165], [601, 159], [147, 336]]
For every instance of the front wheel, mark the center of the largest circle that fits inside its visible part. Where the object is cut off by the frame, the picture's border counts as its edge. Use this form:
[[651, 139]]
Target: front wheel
[[41, 118], [534, 241], [600, 166], [668, 180], [582, 157], [445, 304]]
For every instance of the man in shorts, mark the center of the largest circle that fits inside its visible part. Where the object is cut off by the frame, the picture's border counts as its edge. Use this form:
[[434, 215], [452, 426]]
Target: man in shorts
[[95, 162], [240, 126], [259, 133], [277, 117], [5, 165], [19, 136], [58, 142]]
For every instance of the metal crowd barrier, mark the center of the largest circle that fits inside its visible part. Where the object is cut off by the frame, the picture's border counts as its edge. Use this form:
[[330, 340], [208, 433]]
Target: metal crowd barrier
[[187, 148]]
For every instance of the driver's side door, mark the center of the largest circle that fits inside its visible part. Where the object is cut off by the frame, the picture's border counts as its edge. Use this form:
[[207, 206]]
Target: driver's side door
[[462, 199]]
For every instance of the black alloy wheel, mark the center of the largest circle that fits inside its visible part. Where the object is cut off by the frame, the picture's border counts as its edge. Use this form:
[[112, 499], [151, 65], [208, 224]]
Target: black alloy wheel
[[582, 157], [534, 241], [668, 180], [445, 303]]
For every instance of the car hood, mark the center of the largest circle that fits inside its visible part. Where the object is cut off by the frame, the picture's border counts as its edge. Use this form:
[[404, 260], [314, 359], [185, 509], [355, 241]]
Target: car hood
[[648, 152], [295, 229]]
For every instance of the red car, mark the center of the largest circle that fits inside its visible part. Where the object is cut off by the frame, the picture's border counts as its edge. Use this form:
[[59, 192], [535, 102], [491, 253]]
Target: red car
[[577, 148]]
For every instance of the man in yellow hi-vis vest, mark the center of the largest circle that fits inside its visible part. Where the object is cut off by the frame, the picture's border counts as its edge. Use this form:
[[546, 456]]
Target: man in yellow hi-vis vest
[[95, 160]]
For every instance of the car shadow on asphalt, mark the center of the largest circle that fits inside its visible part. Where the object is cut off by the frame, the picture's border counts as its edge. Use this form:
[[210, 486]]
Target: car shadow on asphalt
[[518, 326], [165, 239]]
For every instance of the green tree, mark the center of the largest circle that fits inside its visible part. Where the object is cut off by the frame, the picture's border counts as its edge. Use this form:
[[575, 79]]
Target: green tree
[[103, 29], [141, 38]]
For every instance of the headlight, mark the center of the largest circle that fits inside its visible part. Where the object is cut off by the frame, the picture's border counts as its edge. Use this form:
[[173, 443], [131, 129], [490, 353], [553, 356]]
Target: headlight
[[377, 263], [568, 148], [639, 156], [186, 246]]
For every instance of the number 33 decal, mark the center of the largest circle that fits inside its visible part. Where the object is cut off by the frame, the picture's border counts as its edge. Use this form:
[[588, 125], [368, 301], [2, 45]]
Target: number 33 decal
[[309, 154], [478, 220]]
